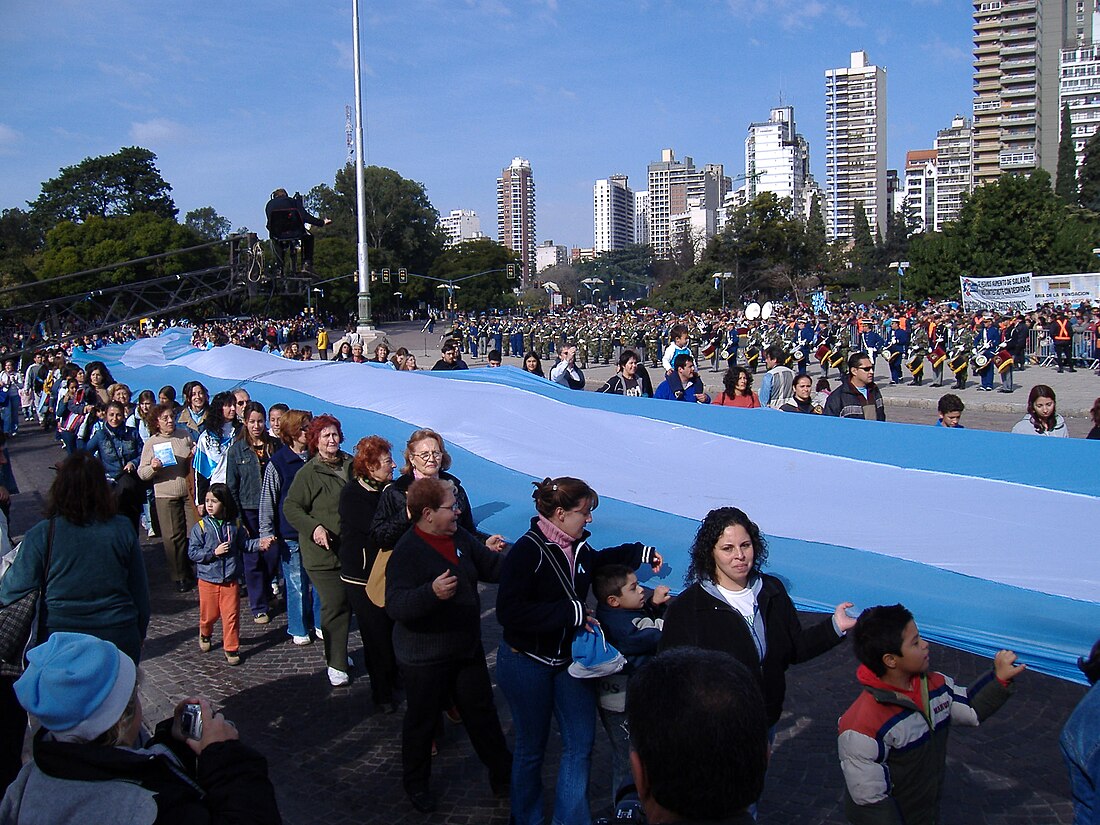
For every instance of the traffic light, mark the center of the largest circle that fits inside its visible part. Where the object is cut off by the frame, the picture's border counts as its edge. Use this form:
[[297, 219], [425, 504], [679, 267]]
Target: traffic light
[[374, 276], [385, 276], [402, 276], [511, 268]]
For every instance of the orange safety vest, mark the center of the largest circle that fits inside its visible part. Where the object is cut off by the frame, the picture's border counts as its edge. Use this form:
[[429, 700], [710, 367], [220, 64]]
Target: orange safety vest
[[1063, 333]]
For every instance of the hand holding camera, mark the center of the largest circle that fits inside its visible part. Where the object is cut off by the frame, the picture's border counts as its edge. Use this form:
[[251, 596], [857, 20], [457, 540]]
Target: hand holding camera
[[196, 724]]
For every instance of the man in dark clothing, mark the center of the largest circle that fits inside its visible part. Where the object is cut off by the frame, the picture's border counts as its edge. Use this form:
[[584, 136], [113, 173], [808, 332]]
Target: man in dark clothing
[[857, 396], [450, 359], [1061, 332], [286, 222], [679, 775]]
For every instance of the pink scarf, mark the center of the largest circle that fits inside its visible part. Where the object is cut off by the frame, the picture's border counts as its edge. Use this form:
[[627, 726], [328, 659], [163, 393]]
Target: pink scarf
[[555, 535]]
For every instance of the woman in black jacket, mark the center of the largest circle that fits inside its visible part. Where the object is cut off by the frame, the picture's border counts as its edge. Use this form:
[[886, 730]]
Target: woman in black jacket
[[541, 605], [431, 592], [731, 606], [371, 470], [426, 456]]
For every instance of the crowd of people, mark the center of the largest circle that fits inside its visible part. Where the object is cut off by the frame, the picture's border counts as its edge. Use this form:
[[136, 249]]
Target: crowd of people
[[259, 505]]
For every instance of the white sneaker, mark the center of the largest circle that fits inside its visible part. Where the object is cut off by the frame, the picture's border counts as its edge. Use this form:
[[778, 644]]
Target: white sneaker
[[317, 632], [336, 678], [302, 640]]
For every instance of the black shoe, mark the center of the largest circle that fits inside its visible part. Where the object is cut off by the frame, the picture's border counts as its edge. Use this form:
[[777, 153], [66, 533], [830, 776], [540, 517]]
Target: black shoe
[[501, 788], [1073, 369], [388, 708], [182, 586], [423, 801], [307, 268]]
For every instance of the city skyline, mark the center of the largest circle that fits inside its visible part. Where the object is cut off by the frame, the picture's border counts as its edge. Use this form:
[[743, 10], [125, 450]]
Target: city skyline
[[234, 109]]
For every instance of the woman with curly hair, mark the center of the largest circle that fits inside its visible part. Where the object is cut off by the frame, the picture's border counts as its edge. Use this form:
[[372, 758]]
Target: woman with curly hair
[[738, 392], [212, 446], [312, 506], [1042, 415], [731, 606]]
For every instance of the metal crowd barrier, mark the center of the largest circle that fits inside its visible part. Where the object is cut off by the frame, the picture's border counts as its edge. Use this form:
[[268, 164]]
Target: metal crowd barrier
[[1040, 349]]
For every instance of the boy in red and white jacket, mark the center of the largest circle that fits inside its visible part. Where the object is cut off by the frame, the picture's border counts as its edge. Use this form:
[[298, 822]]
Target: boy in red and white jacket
[[893, 739]]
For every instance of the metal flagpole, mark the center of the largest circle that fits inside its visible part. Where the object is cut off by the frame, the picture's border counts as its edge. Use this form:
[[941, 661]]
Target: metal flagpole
[[365, 324]]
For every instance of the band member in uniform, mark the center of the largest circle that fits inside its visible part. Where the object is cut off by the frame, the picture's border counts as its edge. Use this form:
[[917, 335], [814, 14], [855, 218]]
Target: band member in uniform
[[986, 343], [896, 347], [937, 339], [963, 341], [804, 338], [918, 349]]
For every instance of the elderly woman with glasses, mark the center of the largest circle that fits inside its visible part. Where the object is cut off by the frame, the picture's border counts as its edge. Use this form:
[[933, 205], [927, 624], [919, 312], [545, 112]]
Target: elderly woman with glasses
[[425, 457]]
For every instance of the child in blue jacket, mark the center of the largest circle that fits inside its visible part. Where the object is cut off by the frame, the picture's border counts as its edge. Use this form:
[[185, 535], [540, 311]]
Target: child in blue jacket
[[216, 545]]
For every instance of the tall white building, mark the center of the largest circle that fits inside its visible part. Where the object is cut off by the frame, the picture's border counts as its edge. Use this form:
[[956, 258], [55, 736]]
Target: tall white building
[[671, 184], [549, 254], [612, 213], [920, 189], [461, 225], [954, 169], [516, 213], [1079, 82], [777, 158], [855, 145]]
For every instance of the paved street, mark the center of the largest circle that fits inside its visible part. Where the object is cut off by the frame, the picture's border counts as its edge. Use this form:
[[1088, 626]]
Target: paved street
[[335, 759]]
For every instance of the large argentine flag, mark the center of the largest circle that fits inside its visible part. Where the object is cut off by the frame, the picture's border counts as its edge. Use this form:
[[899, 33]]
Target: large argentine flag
[[987, 537]]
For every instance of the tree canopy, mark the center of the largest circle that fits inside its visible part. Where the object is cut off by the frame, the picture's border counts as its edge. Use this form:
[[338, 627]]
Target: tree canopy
[[208, 224], [124, 183], [468, 258]]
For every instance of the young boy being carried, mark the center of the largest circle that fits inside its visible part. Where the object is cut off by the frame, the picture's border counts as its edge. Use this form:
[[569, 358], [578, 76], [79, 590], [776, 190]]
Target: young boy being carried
[[893, 739], [632, 624], [678, 345]]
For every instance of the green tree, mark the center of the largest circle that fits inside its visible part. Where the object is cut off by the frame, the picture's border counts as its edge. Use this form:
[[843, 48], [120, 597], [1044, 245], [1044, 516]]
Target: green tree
[[1088, 193], [626, 272], [402, 225], [20, 240], [486, 291], [1065, 184], [124, 183], [758, 246], [862, 255], [99, 242], [207, 223]]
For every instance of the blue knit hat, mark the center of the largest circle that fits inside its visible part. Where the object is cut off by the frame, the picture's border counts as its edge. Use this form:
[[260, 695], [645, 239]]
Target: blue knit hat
[[77, 685]]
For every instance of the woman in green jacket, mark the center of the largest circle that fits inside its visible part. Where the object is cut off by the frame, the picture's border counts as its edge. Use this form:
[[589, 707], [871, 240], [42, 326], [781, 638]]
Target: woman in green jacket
[[312, 506]]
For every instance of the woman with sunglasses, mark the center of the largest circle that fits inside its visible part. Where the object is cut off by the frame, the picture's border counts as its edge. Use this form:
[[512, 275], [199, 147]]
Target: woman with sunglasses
[[426, 456]]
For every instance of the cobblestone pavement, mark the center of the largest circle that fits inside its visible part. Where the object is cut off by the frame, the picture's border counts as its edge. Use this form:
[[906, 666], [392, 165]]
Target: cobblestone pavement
[[335, 759]]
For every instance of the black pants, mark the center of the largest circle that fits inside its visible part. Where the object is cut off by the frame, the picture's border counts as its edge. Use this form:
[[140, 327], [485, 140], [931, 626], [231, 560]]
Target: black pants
[[282, 244], [428, 690], [376, 628], [1063, 351], [13, 727]]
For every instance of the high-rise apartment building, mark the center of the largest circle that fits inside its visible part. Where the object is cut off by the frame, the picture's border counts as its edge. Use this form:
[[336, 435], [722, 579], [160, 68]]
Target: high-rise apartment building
[[516, 213], [612, 213], [855, 145], [954, 170], [641, 221], [1079, 84], [461, 225], [777, 158], [678, 190], [1017, 46], [920, 189], [549, 254]]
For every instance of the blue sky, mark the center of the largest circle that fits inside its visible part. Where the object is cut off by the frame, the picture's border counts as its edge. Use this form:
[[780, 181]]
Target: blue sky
[[239, 98]]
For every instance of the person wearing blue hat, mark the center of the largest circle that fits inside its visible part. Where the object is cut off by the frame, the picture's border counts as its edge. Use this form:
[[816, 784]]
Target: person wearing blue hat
[[93, 762]]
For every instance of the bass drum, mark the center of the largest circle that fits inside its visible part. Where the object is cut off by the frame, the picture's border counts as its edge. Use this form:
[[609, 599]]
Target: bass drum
[[937, 357], [822, 353], [980, 362], [1002, 360], [752, 311]]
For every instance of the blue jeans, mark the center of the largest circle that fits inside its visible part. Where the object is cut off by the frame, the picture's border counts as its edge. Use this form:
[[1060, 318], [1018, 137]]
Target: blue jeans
[[614, 723], [1080, 745], [303, 605], [537, 692]]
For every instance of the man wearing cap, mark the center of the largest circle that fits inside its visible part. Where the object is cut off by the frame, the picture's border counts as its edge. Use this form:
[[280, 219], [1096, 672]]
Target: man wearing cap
[[986, 342], [92, 761]]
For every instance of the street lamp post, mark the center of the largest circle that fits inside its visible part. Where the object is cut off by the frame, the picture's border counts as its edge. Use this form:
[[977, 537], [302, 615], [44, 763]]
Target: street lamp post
[[365, 326], [900, 266], [398, 296], [722, 276]]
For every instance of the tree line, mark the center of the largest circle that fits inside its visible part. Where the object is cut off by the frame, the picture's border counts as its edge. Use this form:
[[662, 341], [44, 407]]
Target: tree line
[[118, 207]]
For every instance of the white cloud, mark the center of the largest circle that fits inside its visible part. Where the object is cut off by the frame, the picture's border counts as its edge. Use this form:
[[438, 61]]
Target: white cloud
[[124, 74], [155, 131], [797, 14], [8, 138]]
